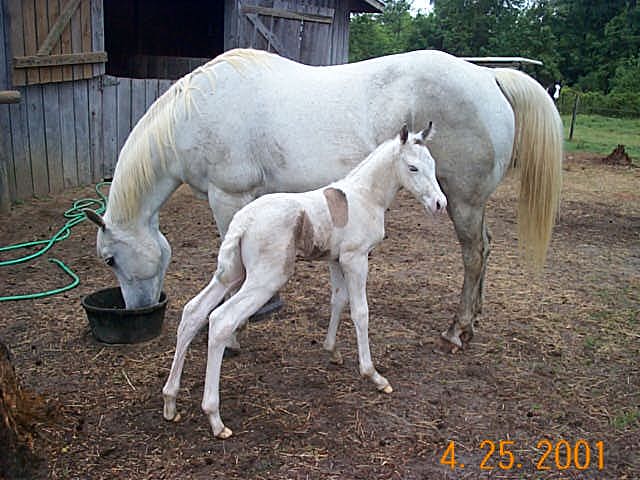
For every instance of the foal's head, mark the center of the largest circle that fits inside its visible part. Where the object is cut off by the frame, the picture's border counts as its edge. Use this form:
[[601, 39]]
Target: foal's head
[[416, 169]]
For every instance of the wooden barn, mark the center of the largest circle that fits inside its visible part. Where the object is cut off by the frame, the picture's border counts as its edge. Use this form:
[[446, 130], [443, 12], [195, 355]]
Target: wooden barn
[[84, 71]]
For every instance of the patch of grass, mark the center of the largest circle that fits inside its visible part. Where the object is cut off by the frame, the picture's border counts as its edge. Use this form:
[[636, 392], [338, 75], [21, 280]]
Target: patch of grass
[[625, 419], [598, 134]]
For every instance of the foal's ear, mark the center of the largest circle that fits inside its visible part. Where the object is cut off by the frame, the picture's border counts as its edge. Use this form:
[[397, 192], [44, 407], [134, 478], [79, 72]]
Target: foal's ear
[[404, 134], [427, 133], [95, 218]]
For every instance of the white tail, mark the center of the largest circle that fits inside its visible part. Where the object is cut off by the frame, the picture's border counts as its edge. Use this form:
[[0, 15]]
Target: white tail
[[537, 154]]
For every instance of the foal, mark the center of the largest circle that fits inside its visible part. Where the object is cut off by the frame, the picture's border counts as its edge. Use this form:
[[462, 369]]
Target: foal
[[340, 223]]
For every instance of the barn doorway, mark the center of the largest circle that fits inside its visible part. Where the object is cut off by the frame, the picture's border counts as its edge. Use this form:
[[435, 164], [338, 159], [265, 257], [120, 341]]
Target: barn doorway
[[161, 38]]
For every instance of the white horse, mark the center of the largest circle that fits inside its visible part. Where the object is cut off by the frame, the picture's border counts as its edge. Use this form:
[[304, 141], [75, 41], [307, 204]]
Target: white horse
[[250, 123], [340, 223]]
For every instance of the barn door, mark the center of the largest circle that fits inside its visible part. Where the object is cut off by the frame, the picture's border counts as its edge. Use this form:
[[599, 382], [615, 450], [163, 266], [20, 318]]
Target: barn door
[[298, 30], [56, 40]]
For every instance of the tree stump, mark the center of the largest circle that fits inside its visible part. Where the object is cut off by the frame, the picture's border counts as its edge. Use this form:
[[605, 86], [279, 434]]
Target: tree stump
[[20, 411], [618, 157]]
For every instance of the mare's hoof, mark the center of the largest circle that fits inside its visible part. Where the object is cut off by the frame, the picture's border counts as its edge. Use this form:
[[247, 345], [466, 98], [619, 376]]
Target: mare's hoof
[[225, 433], [446, 346], [387, 389], [231, 352], [269, 308]]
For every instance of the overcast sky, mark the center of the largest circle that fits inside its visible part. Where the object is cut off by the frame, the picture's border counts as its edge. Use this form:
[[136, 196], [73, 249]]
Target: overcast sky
[[421, 5]]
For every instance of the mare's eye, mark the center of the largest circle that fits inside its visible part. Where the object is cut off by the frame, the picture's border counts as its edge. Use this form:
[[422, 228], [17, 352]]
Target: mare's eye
[[110, 261], [413, 168]]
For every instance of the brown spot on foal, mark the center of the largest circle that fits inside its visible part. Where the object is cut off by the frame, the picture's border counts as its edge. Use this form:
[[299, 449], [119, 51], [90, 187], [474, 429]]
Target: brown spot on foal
[[338, 206]]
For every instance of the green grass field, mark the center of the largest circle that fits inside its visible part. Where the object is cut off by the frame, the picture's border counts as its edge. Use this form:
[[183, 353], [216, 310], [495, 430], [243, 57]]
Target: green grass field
[[597, 134]]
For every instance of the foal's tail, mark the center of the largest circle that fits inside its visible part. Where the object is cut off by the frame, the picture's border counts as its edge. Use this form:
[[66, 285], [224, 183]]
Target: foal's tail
[[230, 268], [537, 154]]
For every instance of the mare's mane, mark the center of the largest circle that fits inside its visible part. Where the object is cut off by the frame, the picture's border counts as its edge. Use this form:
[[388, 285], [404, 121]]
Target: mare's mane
[[144, 157]]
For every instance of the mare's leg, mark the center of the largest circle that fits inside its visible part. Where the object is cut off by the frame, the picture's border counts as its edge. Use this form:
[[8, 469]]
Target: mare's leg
[[223, 322], [355, 268], [194, 317], [475, 240], [339, 298]]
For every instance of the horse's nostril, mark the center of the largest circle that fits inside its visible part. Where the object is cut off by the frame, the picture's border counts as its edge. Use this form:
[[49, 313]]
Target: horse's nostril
[[438, 205]]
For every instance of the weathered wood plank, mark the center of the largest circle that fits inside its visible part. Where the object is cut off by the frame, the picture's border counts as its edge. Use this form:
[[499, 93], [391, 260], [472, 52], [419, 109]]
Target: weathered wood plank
[[51, 100], [76, 42], [21, 155], [42, 28], [56, 48], [97, 33], [30, 38], [37, 142], [109, 126], [68, 134], [59, 24], [96, 129], [124, 110], [62, 59], [151, 92], [85, 25], [65, 47], [7, 178], [83, 144], [16, 38], [138, 106], [288, 14], [163, 86]]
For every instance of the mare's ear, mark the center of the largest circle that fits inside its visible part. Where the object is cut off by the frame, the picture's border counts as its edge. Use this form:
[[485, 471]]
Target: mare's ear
[[427, 133], [404, 134], [95, 218]]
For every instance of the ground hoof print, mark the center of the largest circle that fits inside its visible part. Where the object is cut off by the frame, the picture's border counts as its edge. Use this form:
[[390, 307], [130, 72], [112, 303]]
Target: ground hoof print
[[225, 433]]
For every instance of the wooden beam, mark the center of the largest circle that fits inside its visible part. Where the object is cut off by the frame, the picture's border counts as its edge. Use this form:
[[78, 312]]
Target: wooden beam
[[10, 96], [274, 12], [56, 29], [64, 59], [266, 33]]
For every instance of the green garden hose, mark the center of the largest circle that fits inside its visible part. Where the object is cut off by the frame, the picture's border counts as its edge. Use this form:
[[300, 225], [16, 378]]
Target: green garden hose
[[75, 215]]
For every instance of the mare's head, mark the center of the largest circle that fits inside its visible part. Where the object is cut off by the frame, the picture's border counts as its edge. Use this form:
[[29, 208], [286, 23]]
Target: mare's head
[[416, 169], [137, 254]]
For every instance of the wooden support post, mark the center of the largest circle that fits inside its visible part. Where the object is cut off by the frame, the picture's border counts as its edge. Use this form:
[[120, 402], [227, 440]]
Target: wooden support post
[[10, 96], [573, 117]]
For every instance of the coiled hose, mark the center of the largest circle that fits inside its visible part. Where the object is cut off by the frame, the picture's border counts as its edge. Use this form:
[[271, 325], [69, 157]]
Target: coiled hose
[[75, 215]]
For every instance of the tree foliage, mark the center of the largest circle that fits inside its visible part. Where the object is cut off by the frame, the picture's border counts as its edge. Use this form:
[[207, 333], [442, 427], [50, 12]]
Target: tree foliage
[[590, 44]]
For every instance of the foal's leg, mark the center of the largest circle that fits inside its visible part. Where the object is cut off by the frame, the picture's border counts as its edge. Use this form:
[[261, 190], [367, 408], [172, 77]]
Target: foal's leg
[[194, 317], [474, 238], [355, 268], [222, 324], [339, 297]]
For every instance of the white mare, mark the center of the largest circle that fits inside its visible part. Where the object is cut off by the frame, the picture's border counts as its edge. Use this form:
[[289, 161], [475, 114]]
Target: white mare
[[340, 223], [250, 123]]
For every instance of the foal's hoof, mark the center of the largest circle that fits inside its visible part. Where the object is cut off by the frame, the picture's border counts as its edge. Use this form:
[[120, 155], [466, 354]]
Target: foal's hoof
[[387, 389], [169, 411], [225, 433], [274, 304], [336, 357]]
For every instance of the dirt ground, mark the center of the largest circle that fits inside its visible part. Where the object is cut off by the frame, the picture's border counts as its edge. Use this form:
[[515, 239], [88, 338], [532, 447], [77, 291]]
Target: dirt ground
[[555, 357]]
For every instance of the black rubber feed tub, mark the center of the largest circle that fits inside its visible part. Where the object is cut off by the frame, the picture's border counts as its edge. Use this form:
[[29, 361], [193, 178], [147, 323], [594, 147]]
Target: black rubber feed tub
[[111, 322]]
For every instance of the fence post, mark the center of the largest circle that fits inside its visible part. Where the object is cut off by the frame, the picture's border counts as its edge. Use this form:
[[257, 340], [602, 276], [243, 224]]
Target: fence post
[[573, 116]]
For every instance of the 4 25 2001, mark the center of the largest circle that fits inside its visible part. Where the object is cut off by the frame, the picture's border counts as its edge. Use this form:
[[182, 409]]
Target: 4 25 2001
[[552, 455]]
